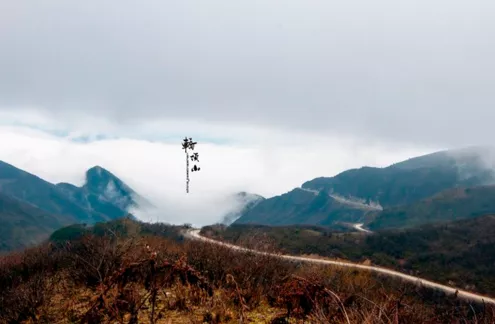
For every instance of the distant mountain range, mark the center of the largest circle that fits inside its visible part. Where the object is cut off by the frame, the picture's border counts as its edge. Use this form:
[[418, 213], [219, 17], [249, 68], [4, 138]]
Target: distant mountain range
[[32, 208], [442, 186], [439, 187]]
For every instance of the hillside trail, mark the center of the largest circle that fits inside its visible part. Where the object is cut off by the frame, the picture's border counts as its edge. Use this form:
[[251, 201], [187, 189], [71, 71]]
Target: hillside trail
[[194, 234], [345, 201]]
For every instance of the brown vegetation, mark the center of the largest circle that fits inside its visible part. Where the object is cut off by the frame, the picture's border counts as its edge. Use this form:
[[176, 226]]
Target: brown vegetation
[[459, 254], [151, 279]]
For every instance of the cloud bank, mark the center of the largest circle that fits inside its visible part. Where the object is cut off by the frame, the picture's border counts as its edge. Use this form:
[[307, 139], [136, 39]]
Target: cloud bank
[[156, 169]]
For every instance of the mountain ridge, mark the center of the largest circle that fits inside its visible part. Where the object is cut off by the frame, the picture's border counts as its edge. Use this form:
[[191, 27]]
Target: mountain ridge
[[400, 184]]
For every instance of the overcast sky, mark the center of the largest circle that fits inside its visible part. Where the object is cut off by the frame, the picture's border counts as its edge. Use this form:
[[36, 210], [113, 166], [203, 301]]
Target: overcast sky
[[275, 92]]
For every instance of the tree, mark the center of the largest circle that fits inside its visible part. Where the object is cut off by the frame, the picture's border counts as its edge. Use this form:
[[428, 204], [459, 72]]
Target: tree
[[188, 144]]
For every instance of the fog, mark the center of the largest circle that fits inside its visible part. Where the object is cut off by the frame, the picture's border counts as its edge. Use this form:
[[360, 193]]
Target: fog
[[156, 169]]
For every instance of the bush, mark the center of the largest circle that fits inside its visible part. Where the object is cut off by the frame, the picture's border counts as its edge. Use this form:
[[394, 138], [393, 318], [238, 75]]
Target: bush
[[117, 278]]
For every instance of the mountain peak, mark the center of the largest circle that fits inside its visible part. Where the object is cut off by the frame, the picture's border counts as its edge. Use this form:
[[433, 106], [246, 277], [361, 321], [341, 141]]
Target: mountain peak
[[97, 176], [108, 186], [244, 201], [98, 171], [247, 196]]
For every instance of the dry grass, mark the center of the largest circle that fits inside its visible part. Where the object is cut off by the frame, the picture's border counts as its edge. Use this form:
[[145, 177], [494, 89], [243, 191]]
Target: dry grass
[[154, 280]]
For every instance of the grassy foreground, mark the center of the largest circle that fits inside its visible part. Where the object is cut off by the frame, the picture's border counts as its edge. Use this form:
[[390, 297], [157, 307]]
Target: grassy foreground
[[127, 274]]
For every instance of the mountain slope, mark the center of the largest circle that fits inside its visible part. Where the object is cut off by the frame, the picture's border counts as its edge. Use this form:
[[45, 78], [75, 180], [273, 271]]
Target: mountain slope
[[108, 187], [299, 207], [411, 180], [104, 193], [24, 224], [42, 194], [449, 205], [459, 253], [359, 194], [32, 208], [90, 201]]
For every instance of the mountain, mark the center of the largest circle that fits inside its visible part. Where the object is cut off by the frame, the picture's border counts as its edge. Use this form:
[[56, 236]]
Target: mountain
[[32, 208], [449, 205], [108, 187], [104, 193], [31, 189], [360, 195], [244, 202]]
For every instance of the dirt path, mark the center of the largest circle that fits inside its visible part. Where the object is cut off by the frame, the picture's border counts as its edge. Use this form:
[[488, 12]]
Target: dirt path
[[194, 234]]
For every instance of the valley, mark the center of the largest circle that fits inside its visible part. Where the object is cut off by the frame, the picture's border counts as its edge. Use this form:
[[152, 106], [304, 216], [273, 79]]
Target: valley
[[458, 253], [415, 226], [238, 162]]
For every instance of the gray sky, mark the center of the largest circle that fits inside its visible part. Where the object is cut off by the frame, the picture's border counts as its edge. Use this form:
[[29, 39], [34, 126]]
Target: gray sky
[[417, 71], [288, 90]]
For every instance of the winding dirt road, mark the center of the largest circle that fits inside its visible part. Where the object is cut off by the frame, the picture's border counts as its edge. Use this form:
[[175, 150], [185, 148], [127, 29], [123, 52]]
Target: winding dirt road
[[360, 228], [194, 234]]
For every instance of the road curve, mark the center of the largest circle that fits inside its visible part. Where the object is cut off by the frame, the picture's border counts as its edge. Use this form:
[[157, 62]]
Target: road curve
[[194, 234], [360, 228]]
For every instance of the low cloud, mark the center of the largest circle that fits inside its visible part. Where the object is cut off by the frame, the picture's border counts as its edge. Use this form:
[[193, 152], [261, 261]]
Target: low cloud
[[469, 161]]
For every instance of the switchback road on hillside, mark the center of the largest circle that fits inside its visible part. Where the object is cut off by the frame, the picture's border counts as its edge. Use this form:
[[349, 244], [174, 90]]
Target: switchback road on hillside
[[194, 234], [351, 203], [360, 228], [345, 201]]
